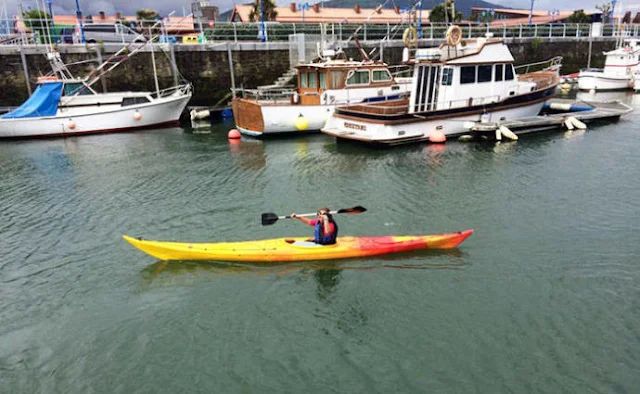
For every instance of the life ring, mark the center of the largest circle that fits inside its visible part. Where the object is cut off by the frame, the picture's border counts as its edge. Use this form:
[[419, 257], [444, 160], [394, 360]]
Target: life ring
[[410, 37], [454, 35]]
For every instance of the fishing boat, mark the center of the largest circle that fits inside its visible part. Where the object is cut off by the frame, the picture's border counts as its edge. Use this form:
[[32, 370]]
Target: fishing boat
[[618, 72], [321, 86], [454, 87], [63, 105], [297, 249]]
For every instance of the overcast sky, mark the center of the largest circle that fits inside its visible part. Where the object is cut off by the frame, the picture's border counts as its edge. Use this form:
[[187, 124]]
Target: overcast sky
[[129, 7]]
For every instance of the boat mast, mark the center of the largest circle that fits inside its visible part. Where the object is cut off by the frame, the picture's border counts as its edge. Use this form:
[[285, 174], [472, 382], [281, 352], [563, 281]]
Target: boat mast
[[153, 61]]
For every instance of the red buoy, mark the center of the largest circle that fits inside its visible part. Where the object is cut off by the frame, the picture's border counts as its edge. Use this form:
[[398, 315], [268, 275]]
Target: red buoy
[[437, 136], [233, 134]]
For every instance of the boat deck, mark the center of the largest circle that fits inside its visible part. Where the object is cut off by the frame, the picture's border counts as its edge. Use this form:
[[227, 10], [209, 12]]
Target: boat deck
[[600, 111]]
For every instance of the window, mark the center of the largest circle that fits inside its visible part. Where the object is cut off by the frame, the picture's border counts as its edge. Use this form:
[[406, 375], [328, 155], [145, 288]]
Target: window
[[100, 28], [508, 72], [313, 79], [381, 76], [323, 80], [70, 89], [499, 73], [447, 76], [358, 78], [468, 74], [134, 100], [337, 79], [484, 73], [303, 79]]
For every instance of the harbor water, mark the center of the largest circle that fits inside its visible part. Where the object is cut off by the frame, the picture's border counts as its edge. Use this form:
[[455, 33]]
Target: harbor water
[[544, 297]]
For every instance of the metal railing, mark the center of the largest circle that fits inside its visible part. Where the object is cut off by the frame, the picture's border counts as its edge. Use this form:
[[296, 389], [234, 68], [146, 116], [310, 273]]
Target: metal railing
[[39, 32]]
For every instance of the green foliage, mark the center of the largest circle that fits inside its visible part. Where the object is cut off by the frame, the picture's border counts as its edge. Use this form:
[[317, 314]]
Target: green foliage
[[269, 11], [147, 14], [605, 8], [437, 14], [579, 17], [535, 43]]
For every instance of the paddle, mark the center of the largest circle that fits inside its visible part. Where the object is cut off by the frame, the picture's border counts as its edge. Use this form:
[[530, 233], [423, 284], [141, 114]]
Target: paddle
[[270, 218]]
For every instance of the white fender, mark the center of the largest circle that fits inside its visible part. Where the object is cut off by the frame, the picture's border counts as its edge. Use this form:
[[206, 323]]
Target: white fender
[[578, 123], [498, 135], [560, 106], [504, 130], [568, 124]]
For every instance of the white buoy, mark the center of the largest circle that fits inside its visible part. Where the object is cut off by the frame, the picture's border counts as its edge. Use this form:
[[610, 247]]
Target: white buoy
[[504, 130], [568, 124], [560, 106], [199, 114], [578, 124], [498, 135]]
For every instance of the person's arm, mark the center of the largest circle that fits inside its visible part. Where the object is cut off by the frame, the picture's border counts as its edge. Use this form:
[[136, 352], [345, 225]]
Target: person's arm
[[303, 219], [326, 225]]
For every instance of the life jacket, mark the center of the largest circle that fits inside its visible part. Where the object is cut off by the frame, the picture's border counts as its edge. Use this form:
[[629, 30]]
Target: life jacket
[[322, 238]]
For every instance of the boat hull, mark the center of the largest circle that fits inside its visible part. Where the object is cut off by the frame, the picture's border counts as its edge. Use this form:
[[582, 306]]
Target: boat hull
[[163, 111], [297, 249], [592, 80]]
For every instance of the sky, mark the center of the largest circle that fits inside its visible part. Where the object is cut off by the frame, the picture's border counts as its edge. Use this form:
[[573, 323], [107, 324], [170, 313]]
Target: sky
[[128, 7]]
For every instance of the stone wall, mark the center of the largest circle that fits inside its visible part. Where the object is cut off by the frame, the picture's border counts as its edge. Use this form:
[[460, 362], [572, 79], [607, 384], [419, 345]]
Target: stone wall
[[208, 70]]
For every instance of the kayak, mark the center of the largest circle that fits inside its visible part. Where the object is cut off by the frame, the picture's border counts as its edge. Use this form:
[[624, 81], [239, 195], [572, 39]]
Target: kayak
[[296, 249]]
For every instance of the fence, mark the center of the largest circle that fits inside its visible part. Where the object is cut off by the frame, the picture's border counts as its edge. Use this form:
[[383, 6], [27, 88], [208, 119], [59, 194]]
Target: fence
[[40, 33]]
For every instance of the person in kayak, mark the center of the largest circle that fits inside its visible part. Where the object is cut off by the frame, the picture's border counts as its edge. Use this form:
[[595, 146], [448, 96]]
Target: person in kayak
[[326, 229]]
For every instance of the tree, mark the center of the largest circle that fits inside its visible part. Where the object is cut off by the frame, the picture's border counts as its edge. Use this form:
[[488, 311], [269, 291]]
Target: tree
[[579, 17], [605, 8], [270, 12], [147, 18], [437, 14], [37, 20]]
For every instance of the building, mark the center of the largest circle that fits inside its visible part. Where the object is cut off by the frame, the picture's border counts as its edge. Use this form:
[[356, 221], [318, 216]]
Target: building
[[318, 14], [512, 17]]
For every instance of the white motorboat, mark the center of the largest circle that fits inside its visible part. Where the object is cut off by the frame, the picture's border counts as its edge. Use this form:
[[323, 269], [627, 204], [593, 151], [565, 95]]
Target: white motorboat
[[320, 88], [454, 87], [63, 105], [617, 74]]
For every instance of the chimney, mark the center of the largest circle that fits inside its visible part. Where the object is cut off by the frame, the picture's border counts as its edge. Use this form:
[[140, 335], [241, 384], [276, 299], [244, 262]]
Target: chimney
[[356, 8], [118, 15], [292, 6], [102, 17], [316, 7], [396, 9], [379, 9]]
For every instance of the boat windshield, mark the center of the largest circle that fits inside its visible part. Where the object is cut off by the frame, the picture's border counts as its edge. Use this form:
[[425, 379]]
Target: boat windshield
[[72, 88]]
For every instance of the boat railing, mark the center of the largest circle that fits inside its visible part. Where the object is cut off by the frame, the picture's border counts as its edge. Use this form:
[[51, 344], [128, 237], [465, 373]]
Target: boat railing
[[401, 71], [184, 89], [280, 94], [552, 64], [402, 106]]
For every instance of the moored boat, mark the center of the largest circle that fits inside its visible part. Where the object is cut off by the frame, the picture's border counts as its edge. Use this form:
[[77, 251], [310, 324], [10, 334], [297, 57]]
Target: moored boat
[[321, 86], [618, 70], [454, 87], [297, 249], [63, 105]]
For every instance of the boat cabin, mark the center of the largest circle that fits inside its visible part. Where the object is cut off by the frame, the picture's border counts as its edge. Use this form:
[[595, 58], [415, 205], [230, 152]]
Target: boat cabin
[[329, 82], [480, 72], [623, 60]]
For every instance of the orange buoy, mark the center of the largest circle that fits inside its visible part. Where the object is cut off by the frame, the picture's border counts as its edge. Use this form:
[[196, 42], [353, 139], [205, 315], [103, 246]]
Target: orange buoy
[[233, 134], [437, 137], [137, 116], [71, 125]]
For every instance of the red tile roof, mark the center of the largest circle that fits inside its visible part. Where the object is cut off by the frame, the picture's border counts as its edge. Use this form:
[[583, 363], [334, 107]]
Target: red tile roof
[[319, 14]]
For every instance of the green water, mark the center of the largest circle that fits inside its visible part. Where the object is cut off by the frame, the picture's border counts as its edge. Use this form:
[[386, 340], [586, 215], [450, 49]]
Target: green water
[[543, 298]]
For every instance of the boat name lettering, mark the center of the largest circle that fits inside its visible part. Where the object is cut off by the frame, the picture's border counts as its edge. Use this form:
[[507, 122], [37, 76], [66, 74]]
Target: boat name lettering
[[354, 126]]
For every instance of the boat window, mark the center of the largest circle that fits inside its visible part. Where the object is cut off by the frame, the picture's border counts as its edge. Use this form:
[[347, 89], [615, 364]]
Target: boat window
[[499, 74], [381, 76], [337, 79], [467, 74], [126, 101], [447, 76], [358, 78], [70, 89], [484, 73], [508, 72], [303, 80], [323, 80], [100, 28], [313, 79]]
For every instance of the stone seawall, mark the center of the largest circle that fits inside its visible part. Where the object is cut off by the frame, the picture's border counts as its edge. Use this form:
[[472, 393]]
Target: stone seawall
[[208, 67]]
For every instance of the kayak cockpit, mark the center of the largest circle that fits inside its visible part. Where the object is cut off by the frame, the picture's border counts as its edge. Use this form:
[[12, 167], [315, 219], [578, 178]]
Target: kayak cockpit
[[306, 243]]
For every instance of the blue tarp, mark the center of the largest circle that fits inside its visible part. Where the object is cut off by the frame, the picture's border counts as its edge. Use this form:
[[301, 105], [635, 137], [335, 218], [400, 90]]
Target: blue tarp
[[43, 102]]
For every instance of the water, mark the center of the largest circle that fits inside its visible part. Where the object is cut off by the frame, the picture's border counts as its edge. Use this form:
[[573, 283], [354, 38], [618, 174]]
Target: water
[[543, 298]]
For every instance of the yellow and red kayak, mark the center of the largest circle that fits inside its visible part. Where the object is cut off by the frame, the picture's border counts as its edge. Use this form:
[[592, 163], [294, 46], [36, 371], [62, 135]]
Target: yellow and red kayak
[[297, 249]]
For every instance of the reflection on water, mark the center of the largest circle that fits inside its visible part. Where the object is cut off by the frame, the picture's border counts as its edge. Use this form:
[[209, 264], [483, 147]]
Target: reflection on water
[[624, 96]]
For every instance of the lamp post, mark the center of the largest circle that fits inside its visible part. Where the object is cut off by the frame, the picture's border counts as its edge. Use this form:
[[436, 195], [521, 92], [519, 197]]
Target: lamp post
[[263, 34], [420, 20], [613, 7], [79, 15], [530, 12]]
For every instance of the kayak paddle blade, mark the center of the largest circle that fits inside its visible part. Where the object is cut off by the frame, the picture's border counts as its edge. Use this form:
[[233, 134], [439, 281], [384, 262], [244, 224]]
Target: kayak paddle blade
[[269, 218], [354, 210]]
